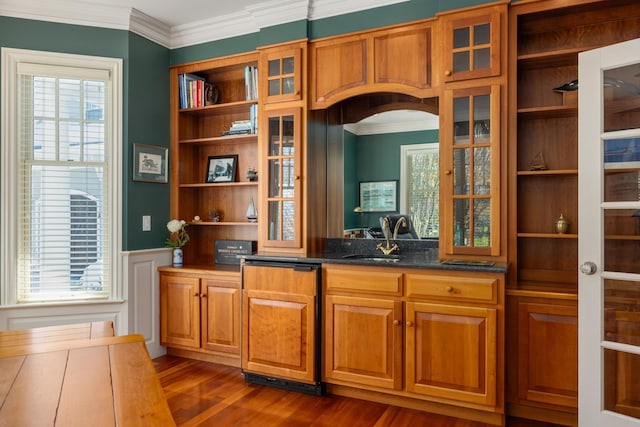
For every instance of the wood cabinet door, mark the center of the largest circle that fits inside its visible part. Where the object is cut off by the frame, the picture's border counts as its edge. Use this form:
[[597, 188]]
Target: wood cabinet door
[[363, 341], [548, 353], [471, 43], [451, 352], [278, 334], [221, 316], [470, 171], [280, 213], [179, 310], [281, 73]]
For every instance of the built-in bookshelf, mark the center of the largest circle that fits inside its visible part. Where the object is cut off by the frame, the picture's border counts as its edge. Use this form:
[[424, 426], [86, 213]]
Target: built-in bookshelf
[[214, 116]]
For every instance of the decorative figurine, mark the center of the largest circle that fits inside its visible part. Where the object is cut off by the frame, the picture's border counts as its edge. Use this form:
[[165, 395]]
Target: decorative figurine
[[538, 163], [252, 174], [214, 216], [252, 213], [561, 225]]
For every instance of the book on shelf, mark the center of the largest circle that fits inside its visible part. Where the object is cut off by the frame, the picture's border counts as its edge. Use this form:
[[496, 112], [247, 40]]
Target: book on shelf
[[246, 126], [251, 82], [194, 91]]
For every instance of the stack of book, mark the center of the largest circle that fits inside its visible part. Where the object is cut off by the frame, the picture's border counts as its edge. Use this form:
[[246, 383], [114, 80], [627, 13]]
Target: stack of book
[[251, 82], [244, 127], [195, 91]]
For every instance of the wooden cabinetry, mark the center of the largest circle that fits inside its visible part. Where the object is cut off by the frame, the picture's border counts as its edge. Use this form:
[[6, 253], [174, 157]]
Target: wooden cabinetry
[[472, 42], [543, 184], [470, 171], [427, 335], [196, 134], [279, 322], [200, 312], [394, 59], [281, 73]]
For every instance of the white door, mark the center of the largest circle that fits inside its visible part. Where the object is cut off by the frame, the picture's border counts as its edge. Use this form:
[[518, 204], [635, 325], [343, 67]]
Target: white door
[[609, 236]]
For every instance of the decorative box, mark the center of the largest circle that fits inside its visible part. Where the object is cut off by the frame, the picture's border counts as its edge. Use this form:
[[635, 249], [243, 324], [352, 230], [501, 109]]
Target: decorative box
[[227, 251]]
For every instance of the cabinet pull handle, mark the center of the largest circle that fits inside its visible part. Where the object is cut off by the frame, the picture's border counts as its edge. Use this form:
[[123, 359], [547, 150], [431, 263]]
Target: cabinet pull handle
[[396, 322], [449, 289], [409, 323]]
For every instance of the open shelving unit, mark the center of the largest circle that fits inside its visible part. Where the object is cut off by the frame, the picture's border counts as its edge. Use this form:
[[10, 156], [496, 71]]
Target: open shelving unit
[[197, 134]]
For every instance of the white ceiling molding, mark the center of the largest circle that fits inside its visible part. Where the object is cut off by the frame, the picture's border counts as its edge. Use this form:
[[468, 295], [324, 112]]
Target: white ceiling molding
[[397, 121], [208, 30], [149, 27], [247, 21], [319, 9], [68, 12], [274, 12]]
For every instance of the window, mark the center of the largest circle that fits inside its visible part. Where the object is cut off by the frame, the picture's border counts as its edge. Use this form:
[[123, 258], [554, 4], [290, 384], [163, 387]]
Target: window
[[60, 177], [419, 194]]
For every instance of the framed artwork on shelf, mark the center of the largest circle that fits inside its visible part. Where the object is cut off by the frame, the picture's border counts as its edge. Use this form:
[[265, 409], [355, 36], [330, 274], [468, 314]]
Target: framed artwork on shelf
[[378, 196], [150, 163], [222, 168]]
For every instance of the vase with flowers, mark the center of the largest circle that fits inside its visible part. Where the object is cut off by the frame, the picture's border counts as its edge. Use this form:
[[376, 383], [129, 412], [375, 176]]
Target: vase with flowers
[[177, 239]]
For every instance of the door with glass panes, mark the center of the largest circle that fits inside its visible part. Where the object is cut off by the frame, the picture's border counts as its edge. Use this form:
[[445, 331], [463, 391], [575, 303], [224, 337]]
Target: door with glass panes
[[609, 236]]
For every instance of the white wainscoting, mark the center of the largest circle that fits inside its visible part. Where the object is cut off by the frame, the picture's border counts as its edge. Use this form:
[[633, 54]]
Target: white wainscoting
[[144, 295], [137, 312]]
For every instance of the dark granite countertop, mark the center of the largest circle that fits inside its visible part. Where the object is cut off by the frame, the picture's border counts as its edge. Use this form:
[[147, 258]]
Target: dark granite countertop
[[412, 254]]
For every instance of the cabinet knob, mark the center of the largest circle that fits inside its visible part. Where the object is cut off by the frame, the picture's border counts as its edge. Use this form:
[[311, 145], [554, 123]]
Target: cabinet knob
[[203, 295], [297, 177], [196, 294], [409, 323], [447, 73], [396, 322], [447, 172], [449, 289]]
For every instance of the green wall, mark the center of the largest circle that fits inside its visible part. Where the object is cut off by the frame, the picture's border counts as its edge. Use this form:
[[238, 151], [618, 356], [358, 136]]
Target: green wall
[[146, 87], [374, 158], [145, 106]]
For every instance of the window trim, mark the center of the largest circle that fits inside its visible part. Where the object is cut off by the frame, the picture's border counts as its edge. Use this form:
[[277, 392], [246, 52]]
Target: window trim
[[10, 59], [404, 152]]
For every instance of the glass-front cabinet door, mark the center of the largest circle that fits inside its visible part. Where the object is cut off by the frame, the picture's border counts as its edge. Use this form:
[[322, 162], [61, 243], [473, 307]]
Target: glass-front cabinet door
[[472, 43], [470, 177], [280, 224], [609, 236], [281, 74]]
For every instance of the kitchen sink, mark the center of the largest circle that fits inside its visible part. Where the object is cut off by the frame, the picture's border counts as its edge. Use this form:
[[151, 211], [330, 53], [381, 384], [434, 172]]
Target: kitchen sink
[[374, 258]]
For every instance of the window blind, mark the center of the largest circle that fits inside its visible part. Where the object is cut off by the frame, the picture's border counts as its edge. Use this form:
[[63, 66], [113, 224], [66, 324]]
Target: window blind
[[63, 177]]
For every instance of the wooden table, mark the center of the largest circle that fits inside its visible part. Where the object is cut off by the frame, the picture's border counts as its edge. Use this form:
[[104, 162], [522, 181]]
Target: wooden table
[[78, 331], [108, 381]]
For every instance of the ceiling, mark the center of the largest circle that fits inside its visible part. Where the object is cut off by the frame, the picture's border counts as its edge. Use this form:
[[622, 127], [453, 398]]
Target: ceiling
[[179, 23]]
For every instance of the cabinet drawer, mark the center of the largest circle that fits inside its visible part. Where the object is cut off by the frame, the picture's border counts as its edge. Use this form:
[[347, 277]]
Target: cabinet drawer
[[370, 280], [452, 287]]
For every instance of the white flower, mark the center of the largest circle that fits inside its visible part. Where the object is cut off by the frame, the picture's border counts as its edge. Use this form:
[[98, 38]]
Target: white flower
[[174, 225], [178, 237]]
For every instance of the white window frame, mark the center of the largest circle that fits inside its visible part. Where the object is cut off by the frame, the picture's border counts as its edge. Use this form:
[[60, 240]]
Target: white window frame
[[405, 150], [10, 58]]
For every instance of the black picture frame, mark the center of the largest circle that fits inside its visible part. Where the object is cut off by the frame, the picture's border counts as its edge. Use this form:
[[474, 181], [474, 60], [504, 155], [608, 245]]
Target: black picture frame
[[150, 163], [378, 196], [221, 168]]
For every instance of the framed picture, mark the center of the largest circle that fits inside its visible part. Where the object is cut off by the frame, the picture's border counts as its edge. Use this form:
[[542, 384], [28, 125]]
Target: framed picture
[[378, 196], [222, 168], [149, 163]]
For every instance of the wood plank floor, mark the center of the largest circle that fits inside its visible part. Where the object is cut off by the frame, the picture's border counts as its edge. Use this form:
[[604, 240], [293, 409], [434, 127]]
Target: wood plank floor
[[207, 394]]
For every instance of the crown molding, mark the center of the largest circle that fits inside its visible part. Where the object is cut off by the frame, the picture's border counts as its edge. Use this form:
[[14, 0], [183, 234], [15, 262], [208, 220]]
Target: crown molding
[[250, 20], [319, 9], [68, 12]]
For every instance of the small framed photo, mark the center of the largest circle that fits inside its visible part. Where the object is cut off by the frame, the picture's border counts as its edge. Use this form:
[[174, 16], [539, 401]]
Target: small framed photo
[[222, 168], [378, 196], [149, 163]]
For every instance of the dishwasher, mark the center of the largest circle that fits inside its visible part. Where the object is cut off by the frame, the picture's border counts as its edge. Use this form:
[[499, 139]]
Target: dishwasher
[[281, 324]]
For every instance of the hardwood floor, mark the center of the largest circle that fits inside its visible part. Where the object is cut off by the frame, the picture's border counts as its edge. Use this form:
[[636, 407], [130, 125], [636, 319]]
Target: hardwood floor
[[206, 394]]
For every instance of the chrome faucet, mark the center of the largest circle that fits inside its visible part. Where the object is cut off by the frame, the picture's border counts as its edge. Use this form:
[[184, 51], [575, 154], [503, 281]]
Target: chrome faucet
[[386, 230]]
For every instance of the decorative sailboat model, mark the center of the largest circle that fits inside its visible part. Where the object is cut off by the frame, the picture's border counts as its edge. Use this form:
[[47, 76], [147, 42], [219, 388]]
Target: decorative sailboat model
[[252, 213]]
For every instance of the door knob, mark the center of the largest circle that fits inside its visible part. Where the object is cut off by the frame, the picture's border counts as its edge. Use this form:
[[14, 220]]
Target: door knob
[[588, 268]]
